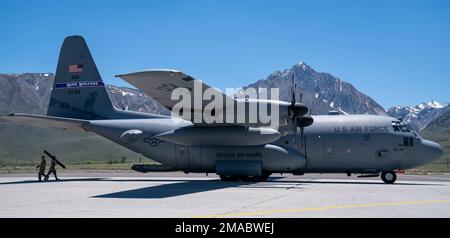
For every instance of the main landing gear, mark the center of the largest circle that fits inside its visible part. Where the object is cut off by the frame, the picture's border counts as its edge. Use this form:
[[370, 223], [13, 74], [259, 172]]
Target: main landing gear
[[388, 177], [233, 178]]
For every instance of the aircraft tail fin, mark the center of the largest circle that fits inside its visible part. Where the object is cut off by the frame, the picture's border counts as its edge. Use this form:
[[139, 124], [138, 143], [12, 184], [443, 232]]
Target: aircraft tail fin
[[78, 90]]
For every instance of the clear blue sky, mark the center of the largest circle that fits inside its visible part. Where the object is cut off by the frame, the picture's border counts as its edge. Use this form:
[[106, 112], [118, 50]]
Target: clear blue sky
[[397, 52]]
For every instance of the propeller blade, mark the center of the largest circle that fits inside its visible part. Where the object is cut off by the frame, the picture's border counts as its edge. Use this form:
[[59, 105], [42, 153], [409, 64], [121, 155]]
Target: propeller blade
[[302, 135], [293, 99]]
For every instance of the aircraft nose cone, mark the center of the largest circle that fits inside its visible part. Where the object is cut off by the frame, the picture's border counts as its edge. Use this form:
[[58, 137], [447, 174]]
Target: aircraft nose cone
[[431, 150]]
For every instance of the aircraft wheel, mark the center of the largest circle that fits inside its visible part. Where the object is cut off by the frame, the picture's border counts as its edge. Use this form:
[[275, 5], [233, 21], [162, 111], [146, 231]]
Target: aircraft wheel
[[228, 178], [261, 178], [388, 177], [265, 176]]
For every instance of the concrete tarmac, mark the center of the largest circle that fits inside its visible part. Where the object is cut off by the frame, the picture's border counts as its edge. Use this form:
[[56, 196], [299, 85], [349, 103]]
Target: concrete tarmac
[[195, 195]]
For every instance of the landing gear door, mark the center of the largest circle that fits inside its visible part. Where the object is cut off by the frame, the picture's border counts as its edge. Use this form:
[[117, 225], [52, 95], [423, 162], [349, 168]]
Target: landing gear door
[[182, 154], [328, 149]]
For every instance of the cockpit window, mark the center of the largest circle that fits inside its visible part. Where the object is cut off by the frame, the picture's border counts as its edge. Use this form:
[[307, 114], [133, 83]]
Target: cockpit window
[[404, 127], [401, 126], [395, 126]]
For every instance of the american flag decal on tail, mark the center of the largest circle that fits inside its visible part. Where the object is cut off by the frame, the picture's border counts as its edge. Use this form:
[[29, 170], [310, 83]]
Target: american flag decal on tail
[[75, 68]]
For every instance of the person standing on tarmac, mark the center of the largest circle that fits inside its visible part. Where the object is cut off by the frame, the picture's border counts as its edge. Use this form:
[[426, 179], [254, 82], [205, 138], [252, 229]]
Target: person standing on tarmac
[[52, 170], [41, 167]]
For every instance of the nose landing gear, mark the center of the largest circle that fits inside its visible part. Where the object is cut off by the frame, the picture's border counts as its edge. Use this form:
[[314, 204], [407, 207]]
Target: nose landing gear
[[388, 177]]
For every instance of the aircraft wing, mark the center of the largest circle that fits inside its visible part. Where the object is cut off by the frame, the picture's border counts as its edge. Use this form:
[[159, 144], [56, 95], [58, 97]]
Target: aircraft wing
[[160, 83], [46, 121]]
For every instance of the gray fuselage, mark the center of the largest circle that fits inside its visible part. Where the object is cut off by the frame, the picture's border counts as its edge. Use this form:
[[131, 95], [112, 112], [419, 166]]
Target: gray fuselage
[[333, 144]]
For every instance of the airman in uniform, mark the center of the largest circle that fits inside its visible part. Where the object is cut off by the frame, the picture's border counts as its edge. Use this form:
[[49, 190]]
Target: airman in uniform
[[52, 170], [41, 167]]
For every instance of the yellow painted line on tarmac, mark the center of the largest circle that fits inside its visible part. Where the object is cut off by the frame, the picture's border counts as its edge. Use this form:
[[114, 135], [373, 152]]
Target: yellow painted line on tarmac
[[293, 210]]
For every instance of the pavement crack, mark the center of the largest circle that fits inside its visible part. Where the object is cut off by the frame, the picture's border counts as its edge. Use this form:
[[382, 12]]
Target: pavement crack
[[266, 200]]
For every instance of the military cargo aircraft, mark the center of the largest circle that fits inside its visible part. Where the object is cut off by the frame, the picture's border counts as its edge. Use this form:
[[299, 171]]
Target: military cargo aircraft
[[368, 145]]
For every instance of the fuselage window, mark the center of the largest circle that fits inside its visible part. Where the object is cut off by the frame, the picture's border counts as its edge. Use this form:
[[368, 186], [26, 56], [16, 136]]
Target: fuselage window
[[408, 141], [382, 154], [366, 137], [405, 141]]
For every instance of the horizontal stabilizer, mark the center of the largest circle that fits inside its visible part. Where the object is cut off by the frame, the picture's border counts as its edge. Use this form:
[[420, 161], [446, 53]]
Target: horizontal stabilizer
[[46, 121]]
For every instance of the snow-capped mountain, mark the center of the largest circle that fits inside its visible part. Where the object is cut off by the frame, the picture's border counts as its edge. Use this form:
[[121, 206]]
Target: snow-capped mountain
[[420, 115], [29, 92], [322, 92], [434, 104]]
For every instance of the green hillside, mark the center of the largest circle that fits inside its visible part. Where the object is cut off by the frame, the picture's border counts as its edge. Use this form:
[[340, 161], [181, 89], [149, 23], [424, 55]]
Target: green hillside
[[23, 146], [439, 131]]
